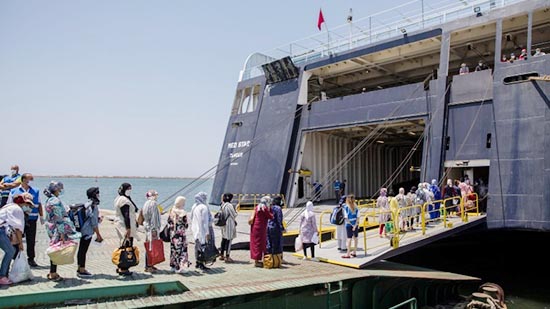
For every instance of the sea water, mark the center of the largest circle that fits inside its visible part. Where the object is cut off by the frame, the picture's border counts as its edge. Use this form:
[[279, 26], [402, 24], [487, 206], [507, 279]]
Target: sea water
[[75, 189]]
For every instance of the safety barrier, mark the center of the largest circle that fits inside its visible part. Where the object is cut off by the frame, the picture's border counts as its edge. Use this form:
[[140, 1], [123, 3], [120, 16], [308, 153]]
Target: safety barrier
[[420, 212], [254, 198]]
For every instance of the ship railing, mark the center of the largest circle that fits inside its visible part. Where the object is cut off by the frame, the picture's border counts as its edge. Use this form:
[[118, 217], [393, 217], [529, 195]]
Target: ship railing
[[406, 18], [253, 199], [369, 217]]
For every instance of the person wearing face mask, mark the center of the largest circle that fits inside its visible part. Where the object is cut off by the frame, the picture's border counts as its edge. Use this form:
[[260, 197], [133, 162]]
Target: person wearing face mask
[[59, 226], [151, 223], [89, 227], [125, 219], [32, 217], [12, 224], [9, 182]]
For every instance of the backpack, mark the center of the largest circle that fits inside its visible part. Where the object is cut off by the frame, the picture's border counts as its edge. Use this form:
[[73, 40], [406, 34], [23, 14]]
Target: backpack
[[219, 218], [337, 216], [77, 214]]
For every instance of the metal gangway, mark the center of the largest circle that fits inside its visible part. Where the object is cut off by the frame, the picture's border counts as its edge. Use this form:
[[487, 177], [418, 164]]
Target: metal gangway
[[434, 220]]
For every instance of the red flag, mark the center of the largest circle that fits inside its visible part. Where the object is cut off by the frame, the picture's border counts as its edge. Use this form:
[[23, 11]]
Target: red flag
[[321, 19]]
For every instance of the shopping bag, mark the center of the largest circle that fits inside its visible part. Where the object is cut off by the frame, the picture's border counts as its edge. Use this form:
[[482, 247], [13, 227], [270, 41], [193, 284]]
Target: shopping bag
[[125, 256], [315, 238], [20, 270], [155, 252], [62, 253], [298, 244]]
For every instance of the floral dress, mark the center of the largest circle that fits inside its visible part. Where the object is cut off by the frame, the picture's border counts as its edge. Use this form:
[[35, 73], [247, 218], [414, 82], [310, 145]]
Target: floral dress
[[58, 221], [178, 244]]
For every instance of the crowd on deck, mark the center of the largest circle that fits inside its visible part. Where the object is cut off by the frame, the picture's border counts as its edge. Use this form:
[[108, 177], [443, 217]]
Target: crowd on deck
[[72, 228]]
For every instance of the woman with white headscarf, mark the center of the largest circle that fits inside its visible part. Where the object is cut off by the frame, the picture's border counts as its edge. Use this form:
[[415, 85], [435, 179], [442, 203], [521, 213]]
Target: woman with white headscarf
[[384, 213], [258, 230], [200, 225], [177, 221], [308, 228], [151, 224]]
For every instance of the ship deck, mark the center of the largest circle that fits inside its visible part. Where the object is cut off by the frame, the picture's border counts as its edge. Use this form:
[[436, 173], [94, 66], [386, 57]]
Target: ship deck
[[209, 288]]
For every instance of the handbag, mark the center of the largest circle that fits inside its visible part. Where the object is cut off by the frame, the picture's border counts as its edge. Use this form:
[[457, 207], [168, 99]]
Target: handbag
[[125, 256], [207, 253], [140, 217], [272, 260], [62, 253], [155, 252], [165, 234]]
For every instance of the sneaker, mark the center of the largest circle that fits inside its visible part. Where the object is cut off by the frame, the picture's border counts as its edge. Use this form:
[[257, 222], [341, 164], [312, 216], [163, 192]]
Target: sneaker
[[5, 281], [314, 259], [304, 258], [32, 263], [83, 274]]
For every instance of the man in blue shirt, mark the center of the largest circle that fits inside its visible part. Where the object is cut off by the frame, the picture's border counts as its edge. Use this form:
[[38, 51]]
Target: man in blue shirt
[[30, 219], [9, 182], [337, 190]]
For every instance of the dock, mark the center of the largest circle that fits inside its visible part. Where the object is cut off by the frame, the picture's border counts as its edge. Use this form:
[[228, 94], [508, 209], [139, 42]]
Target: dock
[[224, 284]]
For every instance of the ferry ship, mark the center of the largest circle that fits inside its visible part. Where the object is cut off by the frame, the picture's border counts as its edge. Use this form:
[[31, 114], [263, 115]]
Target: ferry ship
[[380, 102]]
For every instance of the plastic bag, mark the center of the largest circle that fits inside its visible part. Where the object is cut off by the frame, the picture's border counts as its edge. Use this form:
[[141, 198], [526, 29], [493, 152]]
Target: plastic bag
[[20, 271], [315, 238], [298, 245]]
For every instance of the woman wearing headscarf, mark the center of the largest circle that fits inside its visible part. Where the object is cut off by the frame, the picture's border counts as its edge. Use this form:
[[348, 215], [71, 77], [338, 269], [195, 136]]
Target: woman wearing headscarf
[[90, 225], [12, 222], [434, 188], [258, 230], [200, 224], [403, 213], [125, 219], [59, 226], [449, 192], [229, 230], [177, 220], [383, 210], [275, 228], [308, 228], [414, 211], [151, 224]]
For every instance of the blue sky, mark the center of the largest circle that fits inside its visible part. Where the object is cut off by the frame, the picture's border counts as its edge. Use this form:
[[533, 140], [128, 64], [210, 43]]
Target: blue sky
[[139, 88]]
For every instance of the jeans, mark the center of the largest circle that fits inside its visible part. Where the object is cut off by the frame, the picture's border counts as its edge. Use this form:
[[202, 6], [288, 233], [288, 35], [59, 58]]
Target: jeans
[[9, 252]]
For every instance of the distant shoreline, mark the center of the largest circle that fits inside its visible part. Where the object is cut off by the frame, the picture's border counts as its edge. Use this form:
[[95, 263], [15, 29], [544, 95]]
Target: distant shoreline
[[114, 177]]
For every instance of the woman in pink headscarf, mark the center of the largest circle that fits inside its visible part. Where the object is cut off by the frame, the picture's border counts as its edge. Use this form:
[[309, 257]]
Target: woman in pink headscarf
[[258, 230]]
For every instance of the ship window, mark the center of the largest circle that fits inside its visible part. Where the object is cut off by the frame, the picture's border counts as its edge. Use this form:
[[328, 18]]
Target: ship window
[[514, 39], [237, 102], [519, 78], [541, 33], [246, 101]]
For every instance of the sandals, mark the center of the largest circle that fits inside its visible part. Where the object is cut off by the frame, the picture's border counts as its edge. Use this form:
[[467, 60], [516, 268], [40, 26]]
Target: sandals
[[353, 254], [55, 278]]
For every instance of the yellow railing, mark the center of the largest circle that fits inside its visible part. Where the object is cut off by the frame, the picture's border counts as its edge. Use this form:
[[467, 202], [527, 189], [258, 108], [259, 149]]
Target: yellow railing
[[415, 211], [321, 226], [254, 198]]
